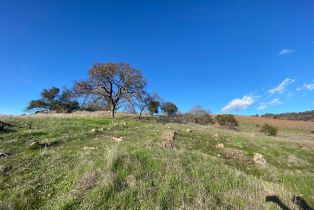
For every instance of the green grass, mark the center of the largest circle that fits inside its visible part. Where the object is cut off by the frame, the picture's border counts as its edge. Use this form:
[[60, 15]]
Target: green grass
[[88, 170]]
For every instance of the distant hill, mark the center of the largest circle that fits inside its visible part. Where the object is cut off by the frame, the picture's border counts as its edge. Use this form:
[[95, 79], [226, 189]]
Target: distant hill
[[300, 116]]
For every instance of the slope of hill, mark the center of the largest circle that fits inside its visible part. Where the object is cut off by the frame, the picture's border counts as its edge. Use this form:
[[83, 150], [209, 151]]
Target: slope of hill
[[93, 162], [304, 116]]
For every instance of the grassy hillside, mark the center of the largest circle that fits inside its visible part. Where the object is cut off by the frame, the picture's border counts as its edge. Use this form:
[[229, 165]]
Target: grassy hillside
[[76, 164]]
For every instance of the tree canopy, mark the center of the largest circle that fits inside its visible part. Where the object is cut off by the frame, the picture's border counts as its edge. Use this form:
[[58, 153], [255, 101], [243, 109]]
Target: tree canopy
[[115, 83]]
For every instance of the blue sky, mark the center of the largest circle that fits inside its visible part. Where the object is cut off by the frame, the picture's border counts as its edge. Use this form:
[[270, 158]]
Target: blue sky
[[235, 56]]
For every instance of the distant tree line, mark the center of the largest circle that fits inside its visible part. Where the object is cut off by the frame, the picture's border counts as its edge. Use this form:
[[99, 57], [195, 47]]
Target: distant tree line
[[298, 116]]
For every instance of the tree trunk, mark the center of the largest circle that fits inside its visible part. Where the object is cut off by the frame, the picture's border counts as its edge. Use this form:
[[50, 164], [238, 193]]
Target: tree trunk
[[113, 109]]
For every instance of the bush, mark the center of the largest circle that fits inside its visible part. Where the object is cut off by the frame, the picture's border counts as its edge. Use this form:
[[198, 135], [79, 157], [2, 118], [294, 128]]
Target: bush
[[198, 115], [170, 109], [269, 130], [226, 120], [312, 132]]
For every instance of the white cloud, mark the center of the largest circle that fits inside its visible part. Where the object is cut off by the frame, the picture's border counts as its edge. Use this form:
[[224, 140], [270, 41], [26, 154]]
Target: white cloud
[[264, 105], [309, 86], [285, 52], [275, 101], [281, 87], [239, 103]]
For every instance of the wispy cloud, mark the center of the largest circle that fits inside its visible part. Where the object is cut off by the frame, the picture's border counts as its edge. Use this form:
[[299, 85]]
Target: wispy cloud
[[281, 87], [264, 105], [306, 86], [285, 52], [239, 103]]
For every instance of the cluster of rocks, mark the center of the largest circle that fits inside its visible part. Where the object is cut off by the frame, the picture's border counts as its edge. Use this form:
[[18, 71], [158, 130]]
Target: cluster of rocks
[[258, 158]]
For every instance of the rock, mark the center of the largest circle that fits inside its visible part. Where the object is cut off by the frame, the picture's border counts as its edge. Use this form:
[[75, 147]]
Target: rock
[[4, 154], [188, 130], [38, 145], [4, 170], [220, 146], [93, 130], [216, 136], [117, 139], [218, 155], [131, 181], [169, 135], [35, 145], [259, 160], [89, 148], [124, 123], [168, 138]]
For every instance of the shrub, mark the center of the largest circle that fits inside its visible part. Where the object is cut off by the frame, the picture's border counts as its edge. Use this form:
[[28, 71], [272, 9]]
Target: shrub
[[169, 108], [269, 130], [312, 132], [227, 120], [198, 115]]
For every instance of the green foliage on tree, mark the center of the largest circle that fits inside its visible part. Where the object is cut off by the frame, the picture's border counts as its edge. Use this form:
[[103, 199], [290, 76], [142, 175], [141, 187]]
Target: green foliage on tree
[[269, 130], [52, 100], [153, 106], [170, 109]]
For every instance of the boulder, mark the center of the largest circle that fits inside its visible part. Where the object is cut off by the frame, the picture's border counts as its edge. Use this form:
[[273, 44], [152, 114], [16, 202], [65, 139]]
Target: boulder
[[168, 138], [169, 135], [259, 160]]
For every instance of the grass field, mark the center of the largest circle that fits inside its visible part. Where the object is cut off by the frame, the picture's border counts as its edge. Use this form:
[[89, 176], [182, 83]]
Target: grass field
[[74, 166]]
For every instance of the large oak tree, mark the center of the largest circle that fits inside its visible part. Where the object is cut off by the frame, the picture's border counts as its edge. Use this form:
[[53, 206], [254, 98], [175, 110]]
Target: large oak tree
[[116, 83]]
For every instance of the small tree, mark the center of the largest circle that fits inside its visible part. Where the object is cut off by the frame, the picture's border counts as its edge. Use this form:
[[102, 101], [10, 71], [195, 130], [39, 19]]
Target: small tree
[[53, 100], [146, 102], [269, 130], [114, 83], [226, 120], [198, 115], [169, 108]]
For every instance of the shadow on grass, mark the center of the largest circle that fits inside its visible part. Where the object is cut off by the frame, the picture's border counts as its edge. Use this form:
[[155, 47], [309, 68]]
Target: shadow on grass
[[298, 201]]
